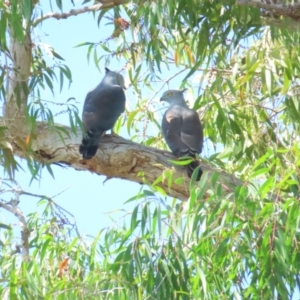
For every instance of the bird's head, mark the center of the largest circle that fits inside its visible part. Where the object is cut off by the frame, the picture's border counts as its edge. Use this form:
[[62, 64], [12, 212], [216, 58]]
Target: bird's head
[[117, 76], [173, 96]]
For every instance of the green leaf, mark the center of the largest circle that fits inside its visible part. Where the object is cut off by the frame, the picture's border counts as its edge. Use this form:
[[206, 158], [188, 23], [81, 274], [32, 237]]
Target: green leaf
[[4, 226], [183, 161], [59, 4], [27, 9]]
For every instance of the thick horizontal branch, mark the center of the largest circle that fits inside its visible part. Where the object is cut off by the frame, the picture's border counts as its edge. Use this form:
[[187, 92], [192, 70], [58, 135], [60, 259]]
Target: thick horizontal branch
[[120, 158], [82, 10], [275, 8]]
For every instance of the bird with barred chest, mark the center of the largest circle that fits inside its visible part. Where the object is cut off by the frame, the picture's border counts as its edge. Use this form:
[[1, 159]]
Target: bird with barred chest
[[102, 108], [182, 129]]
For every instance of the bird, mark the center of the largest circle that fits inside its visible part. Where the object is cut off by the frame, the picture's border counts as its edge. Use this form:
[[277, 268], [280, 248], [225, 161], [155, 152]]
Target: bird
[[102, 108], [182, 129]]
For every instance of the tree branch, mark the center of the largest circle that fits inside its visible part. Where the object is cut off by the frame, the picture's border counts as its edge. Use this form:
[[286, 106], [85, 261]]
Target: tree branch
[[24, 230], [82, 10], [119, 158], [274, 8]]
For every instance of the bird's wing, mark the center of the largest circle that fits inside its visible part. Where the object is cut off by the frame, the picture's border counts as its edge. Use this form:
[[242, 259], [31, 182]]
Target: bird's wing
[[191, 130], [101, 109], [182, 130]]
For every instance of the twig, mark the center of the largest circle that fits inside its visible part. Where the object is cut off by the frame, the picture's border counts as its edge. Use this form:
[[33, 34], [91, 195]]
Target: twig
[[49, 199], [164, 83], [61, 191], [72, 12]]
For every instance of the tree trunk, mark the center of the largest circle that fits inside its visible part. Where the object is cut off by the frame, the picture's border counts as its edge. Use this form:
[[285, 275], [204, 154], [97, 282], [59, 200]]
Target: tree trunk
[[17, 91]]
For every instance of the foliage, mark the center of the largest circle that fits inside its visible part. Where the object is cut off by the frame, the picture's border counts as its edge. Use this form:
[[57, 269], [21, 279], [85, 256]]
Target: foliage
[[243, 245], [211, 248]]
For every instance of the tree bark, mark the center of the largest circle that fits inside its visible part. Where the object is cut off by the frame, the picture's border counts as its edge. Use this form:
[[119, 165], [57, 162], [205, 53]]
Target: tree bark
[[120, 158], [274, 8], [17, 91]]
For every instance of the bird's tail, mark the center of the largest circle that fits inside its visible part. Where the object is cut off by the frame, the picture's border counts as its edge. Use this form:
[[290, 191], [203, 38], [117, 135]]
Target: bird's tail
[[193, 165], [191, 168], [89, 144]]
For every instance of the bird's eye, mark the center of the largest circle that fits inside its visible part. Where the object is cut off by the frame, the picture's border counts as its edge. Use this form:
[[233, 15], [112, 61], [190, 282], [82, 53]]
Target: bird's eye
[[170, 94]]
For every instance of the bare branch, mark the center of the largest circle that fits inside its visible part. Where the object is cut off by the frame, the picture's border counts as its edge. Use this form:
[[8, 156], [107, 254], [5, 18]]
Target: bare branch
[[24, 230], [75, 12]]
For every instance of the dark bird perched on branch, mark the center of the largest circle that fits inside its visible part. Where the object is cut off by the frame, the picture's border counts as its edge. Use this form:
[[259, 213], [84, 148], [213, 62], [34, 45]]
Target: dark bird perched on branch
[[182, 129], [102, 108]]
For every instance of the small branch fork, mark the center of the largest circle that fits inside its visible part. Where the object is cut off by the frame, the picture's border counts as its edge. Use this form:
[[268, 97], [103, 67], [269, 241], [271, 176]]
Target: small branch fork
[[57, 206], [12, 207], [24, 229]]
